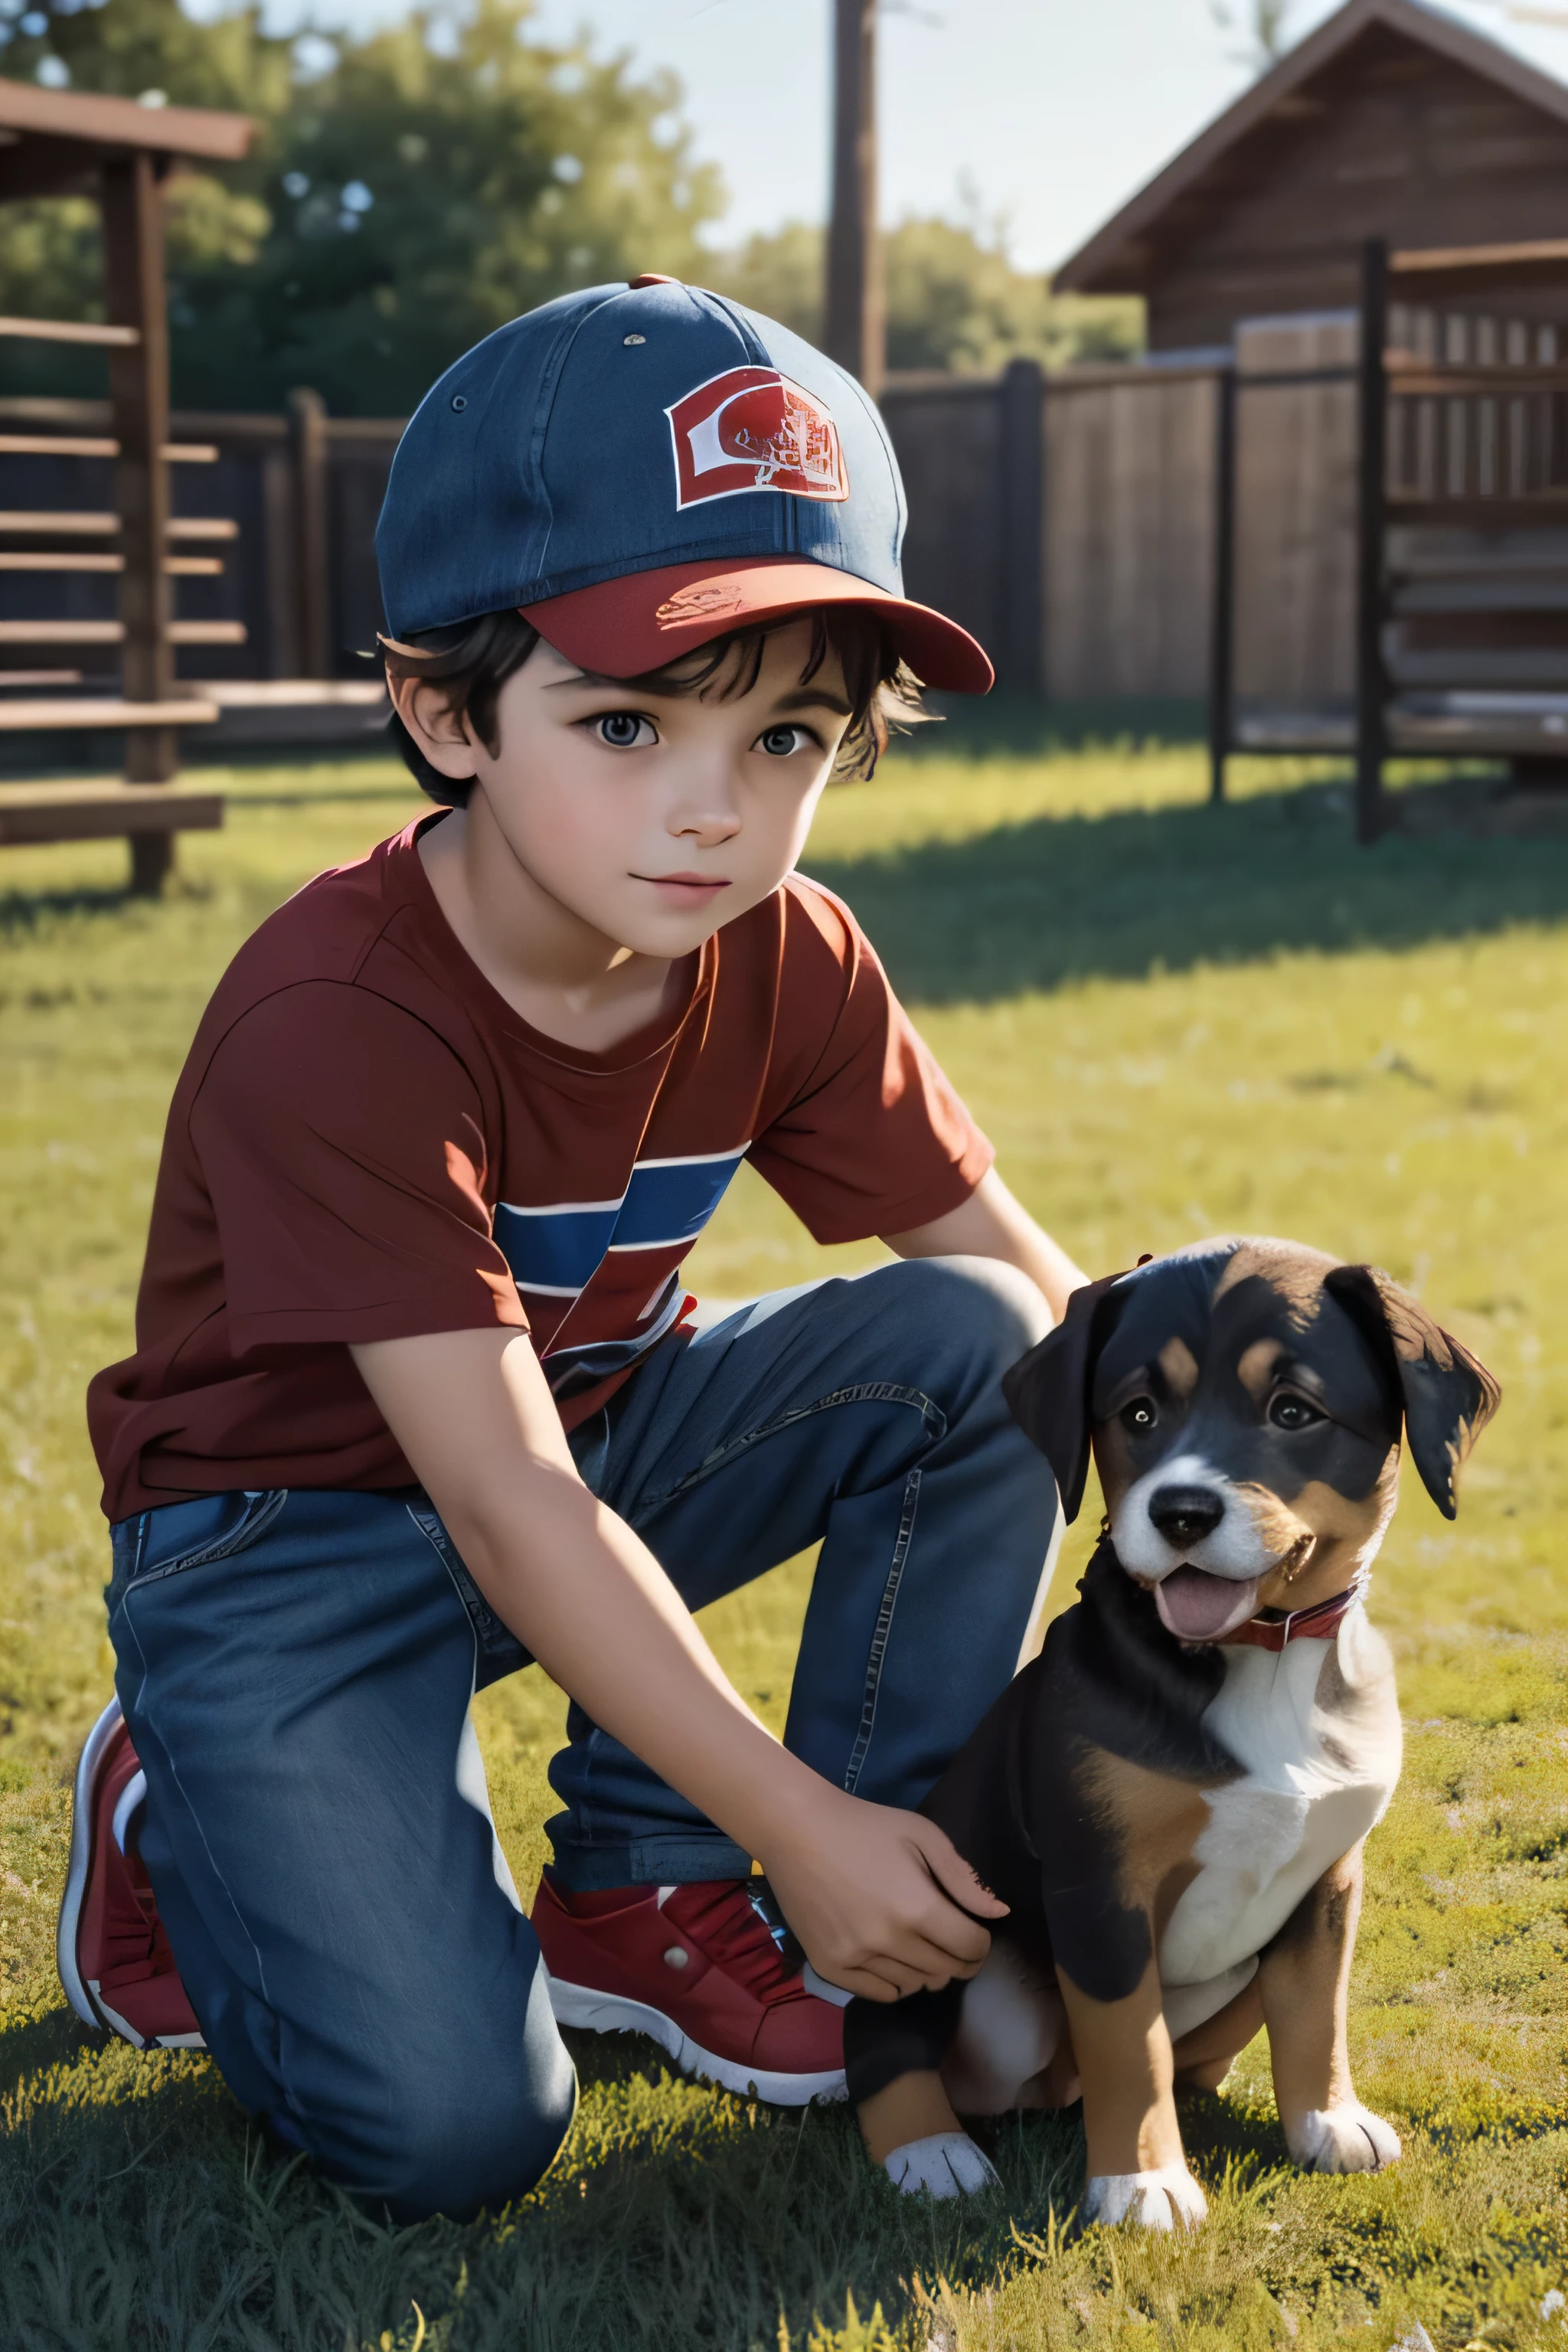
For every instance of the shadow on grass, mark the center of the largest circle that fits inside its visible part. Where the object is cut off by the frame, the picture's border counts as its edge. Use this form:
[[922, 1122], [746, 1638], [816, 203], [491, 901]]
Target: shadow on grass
[[137, 2205], [1034, 904], [25, 911], [968, 729], [1053, 899], [30, 2047]]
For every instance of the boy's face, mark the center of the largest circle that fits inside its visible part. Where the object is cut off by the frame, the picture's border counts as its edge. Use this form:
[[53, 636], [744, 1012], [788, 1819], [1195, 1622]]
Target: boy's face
[[653, 818]]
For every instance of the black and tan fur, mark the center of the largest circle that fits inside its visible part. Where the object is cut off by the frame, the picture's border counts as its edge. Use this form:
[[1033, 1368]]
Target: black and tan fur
[[1175, 1819]]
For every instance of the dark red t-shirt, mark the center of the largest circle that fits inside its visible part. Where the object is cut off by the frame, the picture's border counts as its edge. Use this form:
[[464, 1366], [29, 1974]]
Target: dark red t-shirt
[[367, 1142]]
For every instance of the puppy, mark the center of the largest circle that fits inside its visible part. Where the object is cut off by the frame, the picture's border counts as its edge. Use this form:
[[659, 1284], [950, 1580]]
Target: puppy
[[1173, 1797]]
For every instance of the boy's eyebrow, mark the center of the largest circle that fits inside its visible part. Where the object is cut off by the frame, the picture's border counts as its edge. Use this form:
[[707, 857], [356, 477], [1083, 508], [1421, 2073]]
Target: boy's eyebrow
[[584, 677], [806, 698], [816, 698]]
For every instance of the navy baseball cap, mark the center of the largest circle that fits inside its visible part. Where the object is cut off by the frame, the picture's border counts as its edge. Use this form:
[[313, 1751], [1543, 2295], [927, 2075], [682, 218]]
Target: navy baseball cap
[[641, 469]]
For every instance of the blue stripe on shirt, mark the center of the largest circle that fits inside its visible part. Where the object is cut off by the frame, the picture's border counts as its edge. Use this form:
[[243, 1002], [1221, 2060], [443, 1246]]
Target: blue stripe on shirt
[[556, 1250]]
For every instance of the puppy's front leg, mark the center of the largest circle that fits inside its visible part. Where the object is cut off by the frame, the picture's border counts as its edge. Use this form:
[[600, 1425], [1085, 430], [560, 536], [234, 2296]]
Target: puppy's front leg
[[1135, 2161], [1304, 1981], [892, 2060]]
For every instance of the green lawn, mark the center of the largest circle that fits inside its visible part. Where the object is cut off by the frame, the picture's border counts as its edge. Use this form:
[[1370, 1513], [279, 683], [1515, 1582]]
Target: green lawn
[[1173, 1021]]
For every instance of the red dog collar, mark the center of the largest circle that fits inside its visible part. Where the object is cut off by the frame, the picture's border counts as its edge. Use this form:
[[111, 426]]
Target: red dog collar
[[1314, 1624]]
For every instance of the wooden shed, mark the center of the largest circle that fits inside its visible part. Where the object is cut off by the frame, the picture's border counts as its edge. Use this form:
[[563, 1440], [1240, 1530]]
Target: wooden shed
[[1393, 120]]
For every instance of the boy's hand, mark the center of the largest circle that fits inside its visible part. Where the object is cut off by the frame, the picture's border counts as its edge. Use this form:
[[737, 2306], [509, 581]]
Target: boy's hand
[[879, 1899]]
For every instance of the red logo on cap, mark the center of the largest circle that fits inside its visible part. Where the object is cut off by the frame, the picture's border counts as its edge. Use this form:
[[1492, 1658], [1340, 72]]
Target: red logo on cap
[[697, 604], [753, 429]]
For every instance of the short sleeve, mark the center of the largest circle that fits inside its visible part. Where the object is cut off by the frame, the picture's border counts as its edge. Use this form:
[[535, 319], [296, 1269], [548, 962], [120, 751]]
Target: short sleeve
[[344, 1147], [872, 1138]]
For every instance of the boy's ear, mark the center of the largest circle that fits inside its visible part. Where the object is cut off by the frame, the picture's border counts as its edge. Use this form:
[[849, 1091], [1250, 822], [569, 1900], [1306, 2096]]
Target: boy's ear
[[1448, 1395], [1048, 1390], [437, 731]]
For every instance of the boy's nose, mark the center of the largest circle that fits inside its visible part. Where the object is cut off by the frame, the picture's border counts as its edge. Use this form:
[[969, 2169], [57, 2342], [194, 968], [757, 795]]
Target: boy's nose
[[711, 819]]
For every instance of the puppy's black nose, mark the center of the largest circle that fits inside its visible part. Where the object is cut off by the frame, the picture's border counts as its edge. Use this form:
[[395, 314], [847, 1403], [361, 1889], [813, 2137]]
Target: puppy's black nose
[[1184, 1515]]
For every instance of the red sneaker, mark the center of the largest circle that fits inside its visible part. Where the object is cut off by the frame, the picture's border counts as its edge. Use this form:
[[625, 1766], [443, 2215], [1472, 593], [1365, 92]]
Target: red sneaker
[[111, 1948], [700, 1968]]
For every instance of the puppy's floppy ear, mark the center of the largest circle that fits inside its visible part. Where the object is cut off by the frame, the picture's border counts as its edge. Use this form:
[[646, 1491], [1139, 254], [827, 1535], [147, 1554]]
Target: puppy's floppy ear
[[1449, 1395], [1048, 1390]]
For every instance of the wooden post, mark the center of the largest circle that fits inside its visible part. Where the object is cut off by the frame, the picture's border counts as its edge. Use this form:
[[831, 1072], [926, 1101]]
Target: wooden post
[[855, 309], [1021, 493], [308, 444], [135, 296], [1222, 643], [1371, 682]]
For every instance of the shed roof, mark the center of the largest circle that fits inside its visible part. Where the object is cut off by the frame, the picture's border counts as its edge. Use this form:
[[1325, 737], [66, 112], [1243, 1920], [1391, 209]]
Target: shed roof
[[1124, 254], [51, 139]]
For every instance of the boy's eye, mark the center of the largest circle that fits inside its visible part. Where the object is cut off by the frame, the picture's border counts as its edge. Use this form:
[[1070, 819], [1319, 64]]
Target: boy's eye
[[623, 731], [783, 742]]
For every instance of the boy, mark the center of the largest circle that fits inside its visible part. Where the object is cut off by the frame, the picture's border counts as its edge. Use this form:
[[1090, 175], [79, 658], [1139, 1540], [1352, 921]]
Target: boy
[[417, 1394]]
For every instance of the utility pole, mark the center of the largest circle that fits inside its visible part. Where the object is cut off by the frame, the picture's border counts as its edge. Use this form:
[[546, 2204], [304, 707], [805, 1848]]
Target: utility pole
[[854, 306]]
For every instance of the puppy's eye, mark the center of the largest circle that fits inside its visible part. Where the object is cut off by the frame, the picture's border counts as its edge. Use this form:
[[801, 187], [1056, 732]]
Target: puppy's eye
[[1139, 1417], [1291, 1412]]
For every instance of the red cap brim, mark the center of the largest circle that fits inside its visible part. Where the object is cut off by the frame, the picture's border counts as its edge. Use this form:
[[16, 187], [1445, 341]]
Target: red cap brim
[[624, 627]]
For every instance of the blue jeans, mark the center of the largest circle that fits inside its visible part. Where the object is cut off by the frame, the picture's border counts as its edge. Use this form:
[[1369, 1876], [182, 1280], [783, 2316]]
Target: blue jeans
[[296, 1669]]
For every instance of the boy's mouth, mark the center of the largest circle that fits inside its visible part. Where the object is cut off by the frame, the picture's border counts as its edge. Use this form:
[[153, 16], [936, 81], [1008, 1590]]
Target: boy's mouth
[[685, 890]]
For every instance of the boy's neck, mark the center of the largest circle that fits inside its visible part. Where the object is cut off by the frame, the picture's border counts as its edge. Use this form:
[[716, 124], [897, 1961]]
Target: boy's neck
[[565, 979]]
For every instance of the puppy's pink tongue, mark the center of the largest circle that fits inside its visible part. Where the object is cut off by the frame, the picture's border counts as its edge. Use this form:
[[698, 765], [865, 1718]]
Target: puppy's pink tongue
[[1197, 1607]]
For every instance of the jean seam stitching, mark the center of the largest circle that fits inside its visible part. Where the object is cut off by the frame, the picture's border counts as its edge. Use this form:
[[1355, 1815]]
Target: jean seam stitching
[[428, 1523], [866, 1391], [212, 1860], [257, 1518], [877, 1652]]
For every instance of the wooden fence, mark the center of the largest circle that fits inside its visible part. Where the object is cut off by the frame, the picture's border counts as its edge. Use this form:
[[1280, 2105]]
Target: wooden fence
[[1069, 521], [1293, 646], [297, 594]]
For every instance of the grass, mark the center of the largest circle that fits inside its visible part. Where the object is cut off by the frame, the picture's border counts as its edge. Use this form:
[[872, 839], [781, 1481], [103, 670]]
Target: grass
[[1172, 1020]]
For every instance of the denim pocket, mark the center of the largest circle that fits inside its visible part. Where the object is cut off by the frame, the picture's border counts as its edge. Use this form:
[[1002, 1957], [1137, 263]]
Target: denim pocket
[[496, 1641], [178, 1536]]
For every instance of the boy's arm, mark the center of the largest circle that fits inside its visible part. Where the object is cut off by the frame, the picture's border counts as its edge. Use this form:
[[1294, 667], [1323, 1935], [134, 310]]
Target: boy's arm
[[865, 1887], [991, 1223]]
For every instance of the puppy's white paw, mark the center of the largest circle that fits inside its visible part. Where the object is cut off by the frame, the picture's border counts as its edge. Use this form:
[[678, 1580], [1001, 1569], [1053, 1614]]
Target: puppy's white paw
[[1342, 2139], [948, 2164], [1167, 2200]]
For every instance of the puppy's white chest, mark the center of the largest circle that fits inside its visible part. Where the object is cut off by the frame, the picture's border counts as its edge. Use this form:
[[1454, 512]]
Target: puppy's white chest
[[1316, 1730]]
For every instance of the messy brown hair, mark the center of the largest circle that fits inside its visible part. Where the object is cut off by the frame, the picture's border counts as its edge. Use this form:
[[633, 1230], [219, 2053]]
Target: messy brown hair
[[472, 661]]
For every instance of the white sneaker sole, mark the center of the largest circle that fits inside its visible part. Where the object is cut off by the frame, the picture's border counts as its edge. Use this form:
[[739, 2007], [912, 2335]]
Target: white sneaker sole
[[83, 1993], [66, 1933], [604, 2012]]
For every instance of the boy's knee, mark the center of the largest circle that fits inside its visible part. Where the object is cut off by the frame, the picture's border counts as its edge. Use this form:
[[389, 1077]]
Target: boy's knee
[[987, 1309], [450, 2129], [494, 2145]]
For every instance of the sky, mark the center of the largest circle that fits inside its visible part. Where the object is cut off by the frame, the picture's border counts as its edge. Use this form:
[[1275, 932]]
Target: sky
[[1046, 114]]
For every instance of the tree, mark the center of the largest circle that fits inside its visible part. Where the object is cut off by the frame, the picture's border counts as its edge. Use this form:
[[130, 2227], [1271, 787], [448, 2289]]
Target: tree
[[955, 299], [411, 191], [1261, 25]]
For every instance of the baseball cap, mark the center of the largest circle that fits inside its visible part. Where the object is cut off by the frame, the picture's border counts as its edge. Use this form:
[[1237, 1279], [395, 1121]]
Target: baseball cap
[[640, 468]]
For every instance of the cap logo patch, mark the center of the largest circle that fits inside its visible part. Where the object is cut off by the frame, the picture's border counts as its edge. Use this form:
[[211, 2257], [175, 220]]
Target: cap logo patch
[[753, 429], [699, 603]]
